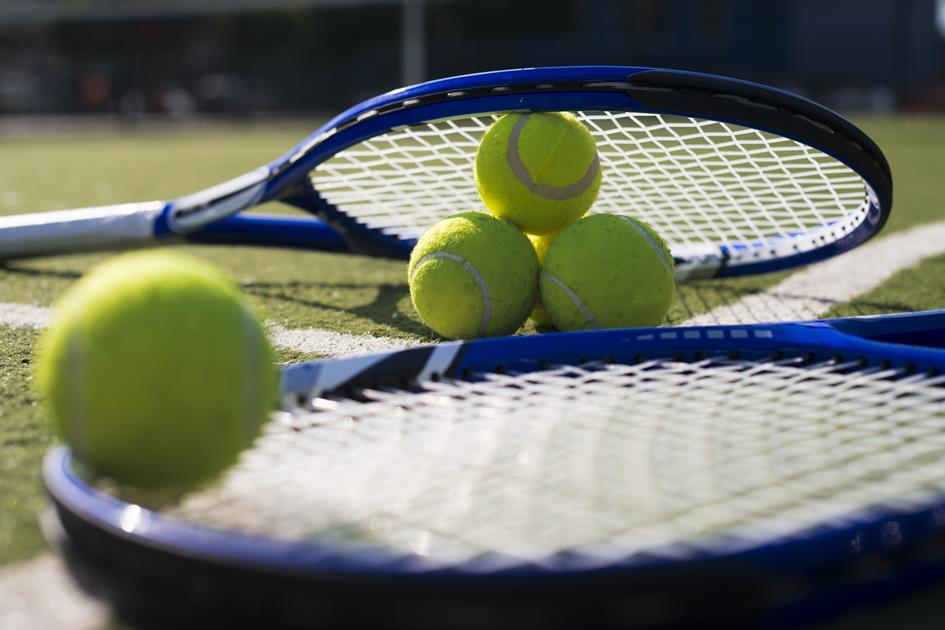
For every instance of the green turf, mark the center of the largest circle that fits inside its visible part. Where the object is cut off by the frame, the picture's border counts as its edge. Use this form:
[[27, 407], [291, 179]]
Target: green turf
[[915, 148], [50, 172], [24, 436], [308, 289]]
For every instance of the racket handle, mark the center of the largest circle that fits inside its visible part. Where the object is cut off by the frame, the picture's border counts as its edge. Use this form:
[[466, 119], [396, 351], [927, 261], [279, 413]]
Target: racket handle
[[121, 226]]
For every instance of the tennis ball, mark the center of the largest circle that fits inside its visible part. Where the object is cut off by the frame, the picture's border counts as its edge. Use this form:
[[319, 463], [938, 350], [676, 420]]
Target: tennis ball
[[538, 170], [541, 243], [607, 271], [156, 370], [472, 275]]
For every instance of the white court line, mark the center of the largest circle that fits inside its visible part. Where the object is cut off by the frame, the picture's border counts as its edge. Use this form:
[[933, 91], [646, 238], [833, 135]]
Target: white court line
[[40, 594], [24, 315], [334, 344], [304, 340], [811, 292]]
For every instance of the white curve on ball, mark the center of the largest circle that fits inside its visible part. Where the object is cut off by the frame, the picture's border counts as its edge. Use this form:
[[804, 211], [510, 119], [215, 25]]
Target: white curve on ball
[[557, 193], [588, 315], [483, 286], [650, 241]]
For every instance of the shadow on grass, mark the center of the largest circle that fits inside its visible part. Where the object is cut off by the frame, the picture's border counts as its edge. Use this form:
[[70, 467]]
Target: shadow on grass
[[12, 267], [379, 310]]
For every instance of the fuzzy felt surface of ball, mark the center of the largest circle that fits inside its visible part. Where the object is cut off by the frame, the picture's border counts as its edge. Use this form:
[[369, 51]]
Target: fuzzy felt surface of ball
[[607, 271], [156, 370], [540, 171], [472, 275]]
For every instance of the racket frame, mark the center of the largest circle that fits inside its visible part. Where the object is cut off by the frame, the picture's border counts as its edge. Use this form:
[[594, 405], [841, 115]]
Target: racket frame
[[607, 88], [210, 216], [789, 576]]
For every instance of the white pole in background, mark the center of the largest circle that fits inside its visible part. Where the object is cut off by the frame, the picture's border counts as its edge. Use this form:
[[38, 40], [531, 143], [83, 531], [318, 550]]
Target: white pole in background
[[413, 42], [940, 17]]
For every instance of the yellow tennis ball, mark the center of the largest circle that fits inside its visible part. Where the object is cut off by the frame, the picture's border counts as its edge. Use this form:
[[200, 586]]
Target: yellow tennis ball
[[156, 370], [539, 170], [607, 271], [472, 275], [541, 243]]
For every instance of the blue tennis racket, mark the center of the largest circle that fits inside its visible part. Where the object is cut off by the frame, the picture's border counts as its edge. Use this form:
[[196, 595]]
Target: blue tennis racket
[[719, 475], [737, 177]]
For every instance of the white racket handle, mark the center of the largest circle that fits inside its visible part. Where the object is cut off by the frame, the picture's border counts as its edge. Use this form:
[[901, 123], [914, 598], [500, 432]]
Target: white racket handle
[[120, 226]]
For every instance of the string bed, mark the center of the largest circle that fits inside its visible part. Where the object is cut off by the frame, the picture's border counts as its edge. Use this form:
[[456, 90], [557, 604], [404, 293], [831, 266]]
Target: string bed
[[699, 183], [592, 457]]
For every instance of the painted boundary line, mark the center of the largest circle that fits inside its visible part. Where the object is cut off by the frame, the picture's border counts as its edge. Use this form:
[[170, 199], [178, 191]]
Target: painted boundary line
[[24, 315], [334, 344], [814, 290], [303, 340], [40, 594]]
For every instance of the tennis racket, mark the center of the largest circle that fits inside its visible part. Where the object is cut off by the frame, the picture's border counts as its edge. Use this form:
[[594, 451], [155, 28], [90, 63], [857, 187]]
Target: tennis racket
[[737, 177], [622, 478]]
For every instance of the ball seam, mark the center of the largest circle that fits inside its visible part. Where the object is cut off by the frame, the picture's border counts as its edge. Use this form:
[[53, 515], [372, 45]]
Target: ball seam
[[556, 193], [571, 295], [650, 241], [483, 285]]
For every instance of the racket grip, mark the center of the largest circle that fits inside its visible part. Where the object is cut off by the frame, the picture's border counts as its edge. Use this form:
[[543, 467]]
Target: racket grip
[[122, 226]]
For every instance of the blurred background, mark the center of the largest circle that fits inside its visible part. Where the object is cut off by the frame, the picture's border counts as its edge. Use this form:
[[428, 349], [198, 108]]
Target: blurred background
[[149, 59]]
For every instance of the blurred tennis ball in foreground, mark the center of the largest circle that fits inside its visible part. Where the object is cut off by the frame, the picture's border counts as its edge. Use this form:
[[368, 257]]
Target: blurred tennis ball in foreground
[[607, 271], [541, 243], [157, 370], [472, 275], [539, 170]]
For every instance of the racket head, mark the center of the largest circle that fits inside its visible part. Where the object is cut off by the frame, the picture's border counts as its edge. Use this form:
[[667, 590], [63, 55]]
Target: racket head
[[819, 550], [739, 178]]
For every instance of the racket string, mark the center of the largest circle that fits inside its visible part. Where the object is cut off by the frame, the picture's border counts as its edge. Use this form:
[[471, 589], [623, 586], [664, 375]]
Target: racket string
[[636, 455], [699, 183]]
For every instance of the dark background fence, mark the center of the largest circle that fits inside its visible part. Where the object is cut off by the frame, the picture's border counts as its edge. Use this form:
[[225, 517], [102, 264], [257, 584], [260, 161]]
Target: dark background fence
[[248, 57]]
